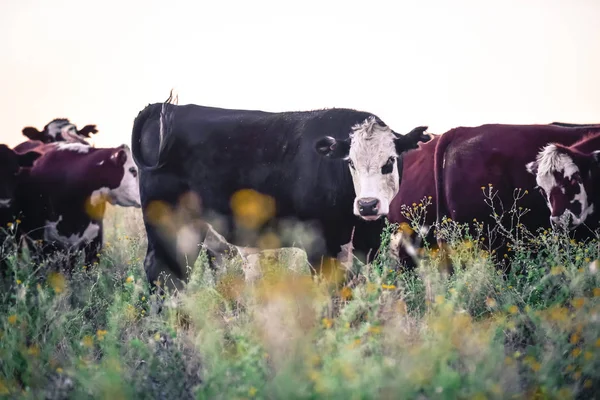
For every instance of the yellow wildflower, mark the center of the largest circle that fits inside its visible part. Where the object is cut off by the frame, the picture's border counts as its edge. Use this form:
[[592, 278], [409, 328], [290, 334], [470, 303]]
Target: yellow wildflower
[[101, 333], [33, 350], [388, 287], [576, 352], [327, 323], [346, 293], [12, 319], [513, 309], [252, 391], [59, 370], [18, 221], [574, 338], [57, 282], [556, 270], [578, 302], [143, 298], [375, 329], [596, 292], [10, 224], [18, 282], [87, 341], [129, 279], [491, 303]]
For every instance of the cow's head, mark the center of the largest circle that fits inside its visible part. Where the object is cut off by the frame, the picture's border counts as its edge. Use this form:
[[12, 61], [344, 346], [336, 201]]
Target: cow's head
[[564, 177], [10, 164], [372, 151], [127, 193], [60, 130]]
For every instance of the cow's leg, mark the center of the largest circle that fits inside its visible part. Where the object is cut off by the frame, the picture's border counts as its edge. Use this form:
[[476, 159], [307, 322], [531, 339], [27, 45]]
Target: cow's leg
[[92, 251]]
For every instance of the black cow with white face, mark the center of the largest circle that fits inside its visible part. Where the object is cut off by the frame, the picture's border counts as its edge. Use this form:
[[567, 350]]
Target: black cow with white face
[[335, 170], [60, 130]]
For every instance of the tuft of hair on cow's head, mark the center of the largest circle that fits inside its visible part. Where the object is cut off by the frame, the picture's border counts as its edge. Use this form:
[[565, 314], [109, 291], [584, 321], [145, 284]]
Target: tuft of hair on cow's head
[[372, 152], [565, 178]]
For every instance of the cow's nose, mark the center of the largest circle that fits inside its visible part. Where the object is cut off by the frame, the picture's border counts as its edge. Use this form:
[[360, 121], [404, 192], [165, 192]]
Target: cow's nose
[[368, 206]]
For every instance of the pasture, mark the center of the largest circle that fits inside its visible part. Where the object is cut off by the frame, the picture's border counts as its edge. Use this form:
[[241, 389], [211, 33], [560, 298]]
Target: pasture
[[97, 332]]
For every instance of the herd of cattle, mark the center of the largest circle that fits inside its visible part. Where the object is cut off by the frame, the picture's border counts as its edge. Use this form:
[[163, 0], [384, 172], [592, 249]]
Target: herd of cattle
[[340, 171]]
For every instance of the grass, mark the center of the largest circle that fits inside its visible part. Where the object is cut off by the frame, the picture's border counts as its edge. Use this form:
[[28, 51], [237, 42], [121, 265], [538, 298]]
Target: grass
[[95, 332]]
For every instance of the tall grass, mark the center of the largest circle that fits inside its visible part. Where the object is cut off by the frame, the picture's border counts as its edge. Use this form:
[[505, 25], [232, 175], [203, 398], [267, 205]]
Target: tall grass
[[95, 332]]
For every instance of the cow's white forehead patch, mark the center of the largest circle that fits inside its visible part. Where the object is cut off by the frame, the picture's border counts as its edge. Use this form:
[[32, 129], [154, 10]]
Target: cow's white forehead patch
[[55, 127], [5, 203], [549, 161], [76, 147], [371, 144]]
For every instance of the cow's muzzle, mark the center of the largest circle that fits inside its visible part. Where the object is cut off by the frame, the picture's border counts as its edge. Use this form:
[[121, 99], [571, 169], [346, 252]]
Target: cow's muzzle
[[368, 208]]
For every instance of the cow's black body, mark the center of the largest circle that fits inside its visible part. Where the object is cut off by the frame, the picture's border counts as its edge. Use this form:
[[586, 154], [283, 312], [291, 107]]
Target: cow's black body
[[216, 152]]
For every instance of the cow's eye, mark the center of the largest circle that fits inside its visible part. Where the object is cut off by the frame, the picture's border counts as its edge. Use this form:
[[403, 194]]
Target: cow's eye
[[133, 171], [351, 164], [388, 167]]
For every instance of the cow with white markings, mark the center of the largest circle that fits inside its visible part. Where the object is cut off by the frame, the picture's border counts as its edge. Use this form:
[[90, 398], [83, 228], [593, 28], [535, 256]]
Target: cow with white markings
[[60, 130], [62, 197], [568, 177], [335, 170]]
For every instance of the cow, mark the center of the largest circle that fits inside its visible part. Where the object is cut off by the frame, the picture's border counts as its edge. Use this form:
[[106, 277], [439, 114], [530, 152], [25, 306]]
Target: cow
[[568, 177], [60, 130], [333, 170], [62, 197], [467, 159], [11, 165], [456, 165]]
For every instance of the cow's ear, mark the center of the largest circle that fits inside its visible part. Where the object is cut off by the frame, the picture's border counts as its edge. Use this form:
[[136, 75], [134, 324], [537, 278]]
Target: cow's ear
[[8, 159], [411, 139], [32, 133], [26, 160], [119, 157], [332, 148], [87, 130], [532, 167]]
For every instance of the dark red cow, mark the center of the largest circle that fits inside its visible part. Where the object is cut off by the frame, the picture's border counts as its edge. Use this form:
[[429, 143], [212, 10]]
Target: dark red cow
[[569, 179], [455, 166], [62, 197], [60, 130]]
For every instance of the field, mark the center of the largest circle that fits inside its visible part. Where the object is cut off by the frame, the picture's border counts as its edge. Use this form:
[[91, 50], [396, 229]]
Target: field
[[97, 332]]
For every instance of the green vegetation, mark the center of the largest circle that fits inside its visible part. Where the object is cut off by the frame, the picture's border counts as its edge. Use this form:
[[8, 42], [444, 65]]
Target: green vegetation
[[96, 332]]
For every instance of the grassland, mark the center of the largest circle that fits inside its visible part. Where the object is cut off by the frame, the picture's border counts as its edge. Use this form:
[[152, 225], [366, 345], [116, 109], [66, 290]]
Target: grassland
[[96, 332]]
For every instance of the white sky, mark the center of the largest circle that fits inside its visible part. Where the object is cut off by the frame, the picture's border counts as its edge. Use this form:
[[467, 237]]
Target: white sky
[[442, 64]]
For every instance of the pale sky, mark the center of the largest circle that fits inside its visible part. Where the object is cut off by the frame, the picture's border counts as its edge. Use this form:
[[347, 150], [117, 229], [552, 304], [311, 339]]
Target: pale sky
[[437, 63]]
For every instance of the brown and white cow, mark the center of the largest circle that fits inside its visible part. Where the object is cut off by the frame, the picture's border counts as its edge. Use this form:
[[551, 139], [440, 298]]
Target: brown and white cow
[[63, 196], [455, 166], [568, 178]]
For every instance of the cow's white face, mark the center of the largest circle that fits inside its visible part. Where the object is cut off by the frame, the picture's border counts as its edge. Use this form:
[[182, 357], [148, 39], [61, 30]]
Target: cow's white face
[[371, 152], [127, 194], [561, 182]]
